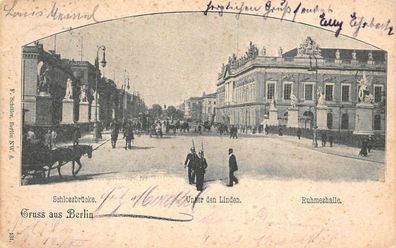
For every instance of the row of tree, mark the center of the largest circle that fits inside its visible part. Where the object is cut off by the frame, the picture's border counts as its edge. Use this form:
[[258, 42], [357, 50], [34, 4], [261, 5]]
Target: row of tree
[[157, 112]]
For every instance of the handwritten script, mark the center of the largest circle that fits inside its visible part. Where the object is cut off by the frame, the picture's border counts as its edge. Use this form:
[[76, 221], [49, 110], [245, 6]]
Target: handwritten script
[[53, 12], [288, 11]]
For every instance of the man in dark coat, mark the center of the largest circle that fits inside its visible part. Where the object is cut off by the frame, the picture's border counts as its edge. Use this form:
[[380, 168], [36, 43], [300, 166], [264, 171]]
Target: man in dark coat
[[299, 133], [232, 164], [114, 134], [76, 135], [128, 135], [191, 162], [200, 170]]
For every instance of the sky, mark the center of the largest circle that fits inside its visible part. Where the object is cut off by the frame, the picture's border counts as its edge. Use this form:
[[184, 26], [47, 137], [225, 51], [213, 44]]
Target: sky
[[171, 57]]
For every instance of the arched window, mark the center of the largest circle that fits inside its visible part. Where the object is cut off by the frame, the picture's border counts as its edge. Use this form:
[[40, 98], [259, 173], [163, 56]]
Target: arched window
[[329, 120], [345, 121], [377, 122]]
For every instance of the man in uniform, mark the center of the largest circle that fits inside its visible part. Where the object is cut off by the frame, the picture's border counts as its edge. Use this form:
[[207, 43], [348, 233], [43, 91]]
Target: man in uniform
[[114, 134], [232, 164], [191, 161], [128, 135], [200, 170]]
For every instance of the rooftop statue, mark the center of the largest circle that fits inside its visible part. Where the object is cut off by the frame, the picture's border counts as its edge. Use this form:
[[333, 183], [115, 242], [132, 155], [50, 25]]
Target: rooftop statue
[[308, 48]]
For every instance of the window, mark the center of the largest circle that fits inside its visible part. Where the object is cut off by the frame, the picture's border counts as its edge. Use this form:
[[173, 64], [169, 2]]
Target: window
[[345, 121], [308, 90], [345, 92], [287, 88], [329, 120], [270, 91], [377, 122], [329, 92], [377, 93]]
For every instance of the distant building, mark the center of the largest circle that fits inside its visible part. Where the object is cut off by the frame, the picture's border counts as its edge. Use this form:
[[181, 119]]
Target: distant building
[[201, 108], [208, 107], [247, 86]]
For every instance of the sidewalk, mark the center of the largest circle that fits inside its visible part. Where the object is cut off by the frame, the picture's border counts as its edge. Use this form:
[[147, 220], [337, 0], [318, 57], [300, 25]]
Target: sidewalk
[[377, 156]]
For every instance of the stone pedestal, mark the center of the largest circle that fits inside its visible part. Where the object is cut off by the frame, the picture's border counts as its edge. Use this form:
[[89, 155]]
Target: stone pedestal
[[273, 117], [321, 117], [67, 111], [44, 110], [364, 119], [83, 115], [292, 117]]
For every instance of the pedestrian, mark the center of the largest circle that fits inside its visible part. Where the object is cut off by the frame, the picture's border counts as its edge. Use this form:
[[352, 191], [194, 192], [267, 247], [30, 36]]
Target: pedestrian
[[190, 163], [200, 129], [266, 129], [76, 135], [232, 165], [54, 134], [363, 150], [299, 133], [128, 135], [114, 135], [324, 139], [280, 131], [47, 139], [200, 170], [370, 143], [331, 140]]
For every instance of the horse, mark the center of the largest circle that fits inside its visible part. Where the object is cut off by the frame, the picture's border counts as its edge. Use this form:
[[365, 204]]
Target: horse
[[73, 154]]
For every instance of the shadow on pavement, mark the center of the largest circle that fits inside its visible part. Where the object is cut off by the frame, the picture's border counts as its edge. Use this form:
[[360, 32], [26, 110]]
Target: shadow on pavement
[[66, 178]]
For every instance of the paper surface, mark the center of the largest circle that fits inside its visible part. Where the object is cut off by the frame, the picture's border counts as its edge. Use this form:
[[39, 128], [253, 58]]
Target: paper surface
[[178, 53]]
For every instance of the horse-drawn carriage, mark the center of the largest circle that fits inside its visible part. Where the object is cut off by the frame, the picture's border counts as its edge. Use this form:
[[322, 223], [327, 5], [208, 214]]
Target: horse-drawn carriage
[[37, 160]]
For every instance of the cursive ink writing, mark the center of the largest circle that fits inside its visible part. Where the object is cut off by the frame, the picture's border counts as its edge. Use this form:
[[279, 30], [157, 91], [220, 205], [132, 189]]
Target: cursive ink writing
[[284, 8], [53, 13], [360, 22], [118, 203], [331, 23]]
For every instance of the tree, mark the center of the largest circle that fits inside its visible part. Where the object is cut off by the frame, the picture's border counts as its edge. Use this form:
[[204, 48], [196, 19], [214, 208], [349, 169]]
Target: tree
[[179, 114], [170, 112], [156, 111]]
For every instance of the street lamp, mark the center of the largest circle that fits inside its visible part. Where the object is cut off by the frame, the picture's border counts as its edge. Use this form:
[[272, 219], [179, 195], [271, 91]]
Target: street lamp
[[125, 86], [103, 63], [315, 128]]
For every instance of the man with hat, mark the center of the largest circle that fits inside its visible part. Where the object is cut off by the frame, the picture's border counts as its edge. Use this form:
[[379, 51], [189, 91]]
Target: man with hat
[[191, 161], [232, 164], [200, 170]]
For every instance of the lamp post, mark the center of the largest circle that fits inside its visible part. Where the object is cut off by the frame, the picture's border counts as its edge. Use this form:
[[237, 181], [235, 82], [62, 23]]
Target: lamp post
[[125, 86], [315, 128], [103, 63]]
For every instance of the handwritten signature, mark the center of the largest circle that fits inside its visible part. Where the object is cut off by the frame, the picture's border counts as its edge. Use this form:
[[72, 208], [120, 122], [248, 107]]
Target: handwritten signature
[[118, 203], [54, 12]]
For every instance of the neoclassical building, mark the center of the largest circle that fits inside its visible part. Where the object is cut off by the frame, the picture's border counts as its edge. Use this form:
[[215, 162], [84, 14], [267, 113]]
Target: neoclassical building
[[249, 86]]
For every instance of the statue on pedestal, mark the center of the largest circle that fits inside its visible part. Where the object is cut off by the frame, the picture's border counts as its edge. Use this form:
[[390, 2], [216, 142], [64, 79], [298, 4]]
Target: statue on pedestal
[[354, 55], [43, 76], [337, 54], [83, 94], [321, 97], [263, 51], [69, 89], [293, 100], [364, 94], [280, 52], [273, 104]]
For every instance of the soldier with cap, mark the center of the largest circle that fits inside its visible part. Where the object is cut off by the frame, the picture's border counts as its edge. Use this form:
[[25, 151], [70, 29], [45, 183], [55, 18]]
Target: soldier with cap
[[191, 161], [200, 170]]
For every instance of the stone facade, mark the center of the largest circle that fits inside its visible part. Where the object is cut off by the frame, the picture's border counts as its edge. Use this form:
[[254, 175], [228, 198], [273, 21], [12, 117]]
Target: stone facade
[[246, 87], [44, 79]]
